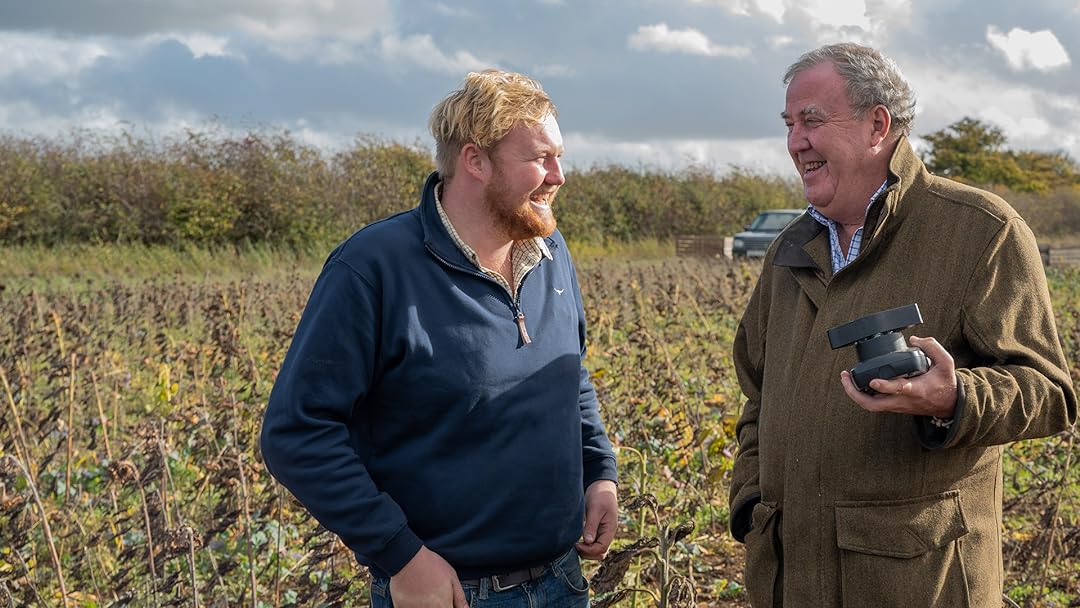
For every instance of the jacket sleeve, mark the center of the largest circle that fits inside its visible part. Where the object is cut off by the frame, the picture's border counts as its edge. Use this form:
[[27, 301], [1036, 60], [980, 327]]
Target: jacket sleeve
[[597, 456], [748, 357], [305, 440], [1023, 389]]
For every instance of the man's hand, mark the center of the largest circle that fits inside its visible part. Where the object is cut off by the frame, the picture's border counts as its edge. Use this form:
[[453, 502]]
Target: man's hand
[[601, 518], [427, 581], [931, 394]]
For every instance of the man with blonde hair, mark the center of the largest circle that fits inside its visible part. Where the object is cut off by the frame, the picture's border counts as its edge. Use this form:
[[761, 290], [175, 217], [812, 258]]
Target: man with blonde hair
[[433, 410]]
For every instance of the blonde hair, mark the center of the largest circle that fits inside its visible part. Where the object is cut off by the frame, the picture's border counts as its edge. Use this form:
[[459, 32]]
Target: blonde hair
[[482, 111]]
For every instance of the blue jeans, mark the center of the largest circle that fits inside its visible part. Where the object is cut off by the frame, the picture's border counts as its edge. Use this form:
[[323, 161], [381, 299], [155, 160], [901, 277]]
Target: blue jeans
[[562, 586]]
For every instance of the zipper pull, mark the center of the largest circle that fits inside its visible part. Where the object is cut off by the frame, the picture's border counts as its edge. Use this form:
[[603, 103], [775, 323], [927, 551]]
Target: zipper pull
[[521, 328]]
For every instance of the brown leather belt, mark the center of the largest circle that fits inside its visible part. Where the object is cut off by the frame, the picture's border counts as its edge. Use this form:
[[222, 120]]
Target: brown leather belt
[[502, 582]]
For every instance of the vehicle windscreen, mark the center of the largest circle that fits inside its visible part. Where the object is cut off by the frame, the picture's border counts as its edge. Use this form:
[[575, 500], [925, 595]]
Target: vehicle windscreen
[[771, 222]]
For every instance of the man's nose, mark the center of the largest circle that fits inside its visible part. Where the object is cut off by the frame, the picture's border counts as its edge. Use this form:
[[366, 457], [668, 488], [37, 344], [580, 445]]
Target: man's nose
[[554, 172], [796, 140]]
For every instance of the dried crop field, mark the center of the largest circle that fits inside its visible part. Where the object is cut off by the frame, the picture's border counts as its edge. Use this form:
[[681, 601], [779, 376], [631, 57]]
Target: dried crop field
[[130, 472]]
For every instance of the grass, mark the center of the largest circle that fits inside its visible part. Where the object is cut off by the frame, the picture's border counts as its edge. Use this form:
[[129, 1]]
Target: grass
[[134, 380], [75, 266]]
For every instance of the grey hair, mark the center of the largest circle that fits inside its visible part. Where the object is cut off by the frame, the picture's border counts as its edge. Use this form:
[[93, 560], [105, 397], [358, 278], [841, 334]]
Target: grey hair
[[871, 77]]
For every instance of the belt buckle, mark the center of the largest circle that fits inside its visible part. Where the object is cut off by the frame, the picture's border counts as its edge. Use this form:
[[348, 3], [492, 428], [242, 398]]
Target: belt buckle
[[499, 588]]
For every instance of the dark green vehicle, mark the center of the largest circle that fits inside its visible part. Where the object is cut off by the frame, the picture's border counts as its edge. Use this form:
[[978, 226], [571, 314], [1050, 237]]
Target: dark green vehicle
[[761, 232]]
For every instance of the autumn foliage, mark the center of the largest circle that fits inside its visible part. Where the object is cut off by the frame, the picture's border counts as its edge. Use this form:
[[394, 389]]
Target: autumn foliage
[[211, 188]]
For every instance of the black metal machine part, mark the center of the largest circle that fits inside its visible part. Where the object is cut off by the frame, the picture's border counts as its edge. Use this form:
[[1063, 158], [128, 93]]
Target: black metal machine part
[[882, 351]]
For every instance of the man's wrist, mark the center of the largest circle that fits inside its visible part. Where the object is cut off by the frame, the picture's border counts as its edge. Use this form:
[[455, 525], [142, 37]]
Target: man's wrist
[[398, 552], [602, 484]]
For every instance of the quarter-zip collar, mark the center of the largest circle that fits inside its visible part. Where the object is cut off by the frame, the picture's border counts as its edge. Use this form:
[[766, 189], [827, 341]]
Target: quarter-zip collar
[[438, 240]]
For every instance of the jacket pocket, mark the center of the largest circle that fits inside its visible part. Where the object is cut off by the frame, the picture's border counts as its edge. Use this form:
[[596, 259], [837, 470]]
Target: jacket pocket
[[903, 553], [764, 557]]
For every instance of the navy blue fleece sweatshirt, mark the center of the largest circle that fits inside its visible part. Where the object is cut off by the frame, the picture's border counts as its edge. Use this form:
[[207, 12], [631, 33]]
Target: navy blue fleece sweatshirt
[[408, 410]]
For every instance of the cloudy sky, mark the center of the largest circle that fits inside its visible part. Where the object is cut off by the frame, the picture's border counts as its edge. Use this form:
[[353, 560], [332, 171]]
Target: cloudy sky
[[645, 83]]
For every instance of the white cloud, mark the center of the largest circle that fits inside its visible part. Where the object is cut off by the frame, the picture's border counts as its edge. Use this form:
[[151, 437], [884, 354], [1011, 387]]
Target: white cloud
[[200, 45], [326, 31], [828, 21], [421, 50], [104, 120], [451, 11], [838, 13], [772, 8], [316, 138], [25, 118], [395, 51], [300, 27], [1031, 118], [42, 58], [763, 155], [831, 15], [779, 42], [277, 20], [1039, 50], [660, 38], [203, 45]]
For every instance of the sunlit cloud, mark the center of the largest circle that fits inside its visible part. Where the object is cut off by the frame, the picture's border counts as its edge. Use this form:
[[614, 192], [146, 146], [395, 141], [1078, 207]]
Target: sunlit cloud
[[760, 155], [1030, 118], [772, 8], [200, 44], [1023, 50], [421, 50], [455, 12], [660, 38], [41, 58]]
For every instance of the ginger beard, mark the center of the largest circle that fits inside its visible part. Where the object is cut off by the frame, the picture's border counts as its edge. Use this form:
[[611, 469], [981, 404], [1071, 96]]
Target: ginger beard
[[520, 217]]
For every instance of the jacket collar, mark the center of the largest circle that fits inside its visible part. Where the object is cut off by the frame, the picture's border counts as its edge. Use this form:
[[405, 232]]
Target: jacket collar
[[806, 243], [907, 173], [797, 248]]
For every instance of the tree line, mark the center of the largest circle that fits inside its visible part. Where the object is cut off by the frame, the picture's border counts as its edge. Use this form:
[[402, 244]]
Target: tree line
[[269, 187]]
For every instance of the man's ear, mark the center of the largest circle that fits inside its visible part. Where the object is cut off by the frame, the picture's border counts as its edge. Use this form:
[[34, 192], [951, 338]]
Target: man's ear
[[475, 162], [882, 124]]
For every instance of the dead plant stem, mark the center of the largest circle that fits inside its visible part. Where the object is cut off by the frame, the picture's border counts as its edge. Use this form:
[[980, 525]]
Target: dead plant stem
[[1054, 518], [20, 438], [246, 504], [277, 551], [191, 567], [10, 598], [70, 431], [149, 540], [108, 454], [48, 532], [59, 332], [30, 579]]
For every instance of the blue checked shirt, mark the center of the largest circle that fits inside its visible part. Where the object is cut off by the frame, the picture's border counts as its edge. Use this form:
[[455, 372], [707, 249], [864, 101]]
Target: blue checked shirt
[[839, 259]]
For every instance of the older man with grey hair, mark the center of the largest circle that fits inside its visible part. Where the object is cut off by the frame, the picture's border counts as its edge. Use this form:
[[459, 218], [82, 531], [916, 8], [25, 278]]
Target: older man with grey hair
[[886, 494]]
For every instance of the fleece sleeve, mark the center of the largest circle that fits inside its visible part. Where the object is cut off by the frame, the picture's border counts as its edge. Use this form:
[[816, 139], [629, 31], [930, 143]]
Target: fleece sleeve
[[598, 457], [305, 439]]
